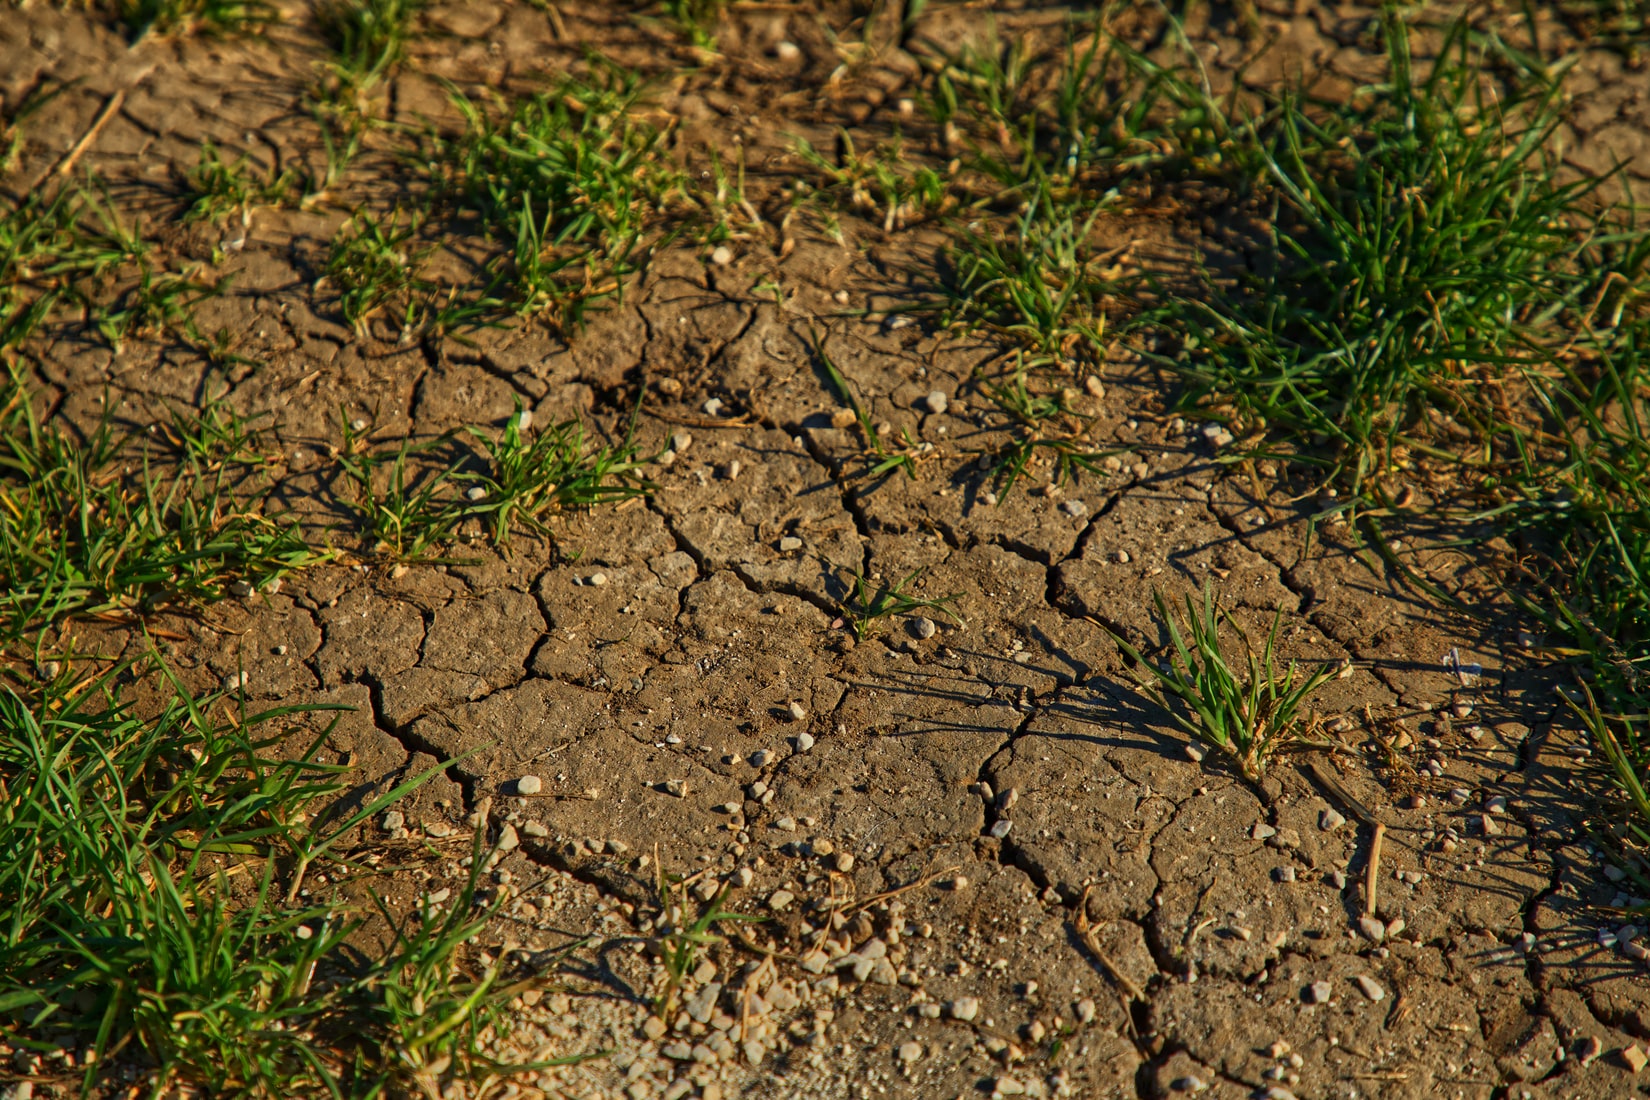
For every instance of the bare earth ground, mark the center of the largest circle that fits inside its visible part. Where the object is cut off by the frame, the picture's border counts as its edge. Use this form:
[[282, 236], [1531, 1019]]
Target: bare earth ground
[[1038, 890]]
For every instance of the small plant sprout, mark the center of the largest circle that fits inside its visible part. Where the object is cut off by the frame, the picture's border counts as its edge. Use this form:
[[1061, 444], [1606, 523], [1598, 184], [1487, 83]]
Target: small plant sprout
[[869, 604], [1250, 717], [681, 940]]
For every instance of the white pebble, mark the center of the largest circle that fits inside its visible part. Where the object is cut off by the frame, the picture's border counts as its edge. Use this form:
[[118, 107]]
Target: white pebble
[[712, 407], [787, 51], [721, 255], [1001, 827], [923, 627], [780, 900], [804, 742], [963, 1008], [529, 784], [394, 820], [597, 579], [1318, 993], [936, 402], [1329, 821], [798, 712], [910, 1052], [1369, 987], [475, 493], [759, 758], [508, 841]]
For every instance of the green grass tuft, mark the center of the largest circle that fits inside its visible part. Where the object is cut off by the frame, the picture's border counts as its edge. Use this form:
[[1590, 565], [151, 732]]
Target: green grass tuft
[[571, 183], [144, 922], [1250, 715], [1430, 251]]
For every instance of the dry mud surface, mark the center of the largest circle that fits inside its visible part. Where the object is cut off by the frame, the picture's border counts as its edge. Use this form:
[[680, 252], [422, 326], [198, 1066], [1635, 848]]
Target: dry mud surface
[[1036, 889]]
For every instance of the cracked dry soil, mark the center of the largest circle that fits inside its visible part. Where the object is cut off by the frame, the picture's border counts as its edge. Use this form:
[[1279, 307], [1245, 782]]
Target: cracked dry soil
[[988, 867]]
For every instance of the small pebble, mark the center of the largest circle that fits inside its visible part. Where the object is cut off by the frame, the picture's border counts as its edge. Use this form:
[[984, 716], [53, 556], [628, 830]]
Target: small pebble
[[844, 862], [785, 825], [780, 900], [1284, 874], [798, 712], [1121, 557], [804, 742], [1329, 821], [358, 425], [1001, 827], [394, 820], [721, 255], [529, 784], [1496, 805], [963, 1008], [1635, 1057], [1589, 1051], [475, 493], [676, 787], [910, 1052], [712, 407], [1318, 993], [1261, 831], [936, 402], [731, 471], [759, 758], [1074, 508], [1369, 987], [789, 543], [923, 627], [597, 579], [1189, 1083], [1195, 753], [787, 51], [1372, 928], [508, 841], [1337, 879]]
